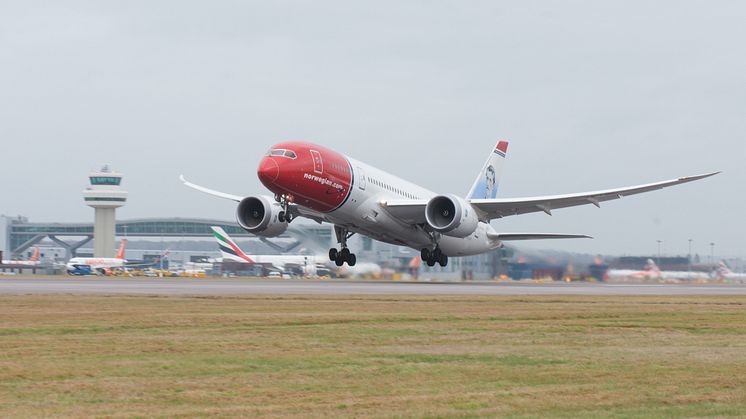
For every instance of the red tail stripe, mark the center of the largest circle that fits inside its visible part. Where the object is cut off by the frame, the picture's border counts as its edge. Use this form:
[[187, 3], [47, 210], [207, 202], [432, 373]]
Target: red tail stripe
[[239, 252]]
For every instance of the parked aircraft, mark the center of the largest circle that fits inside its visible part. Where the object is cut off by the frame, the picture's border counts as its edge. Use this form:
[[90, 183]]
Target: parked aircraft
[[231, 251], [85, 266], [652, 271], [32, 261], [724, 272], [314, 182]]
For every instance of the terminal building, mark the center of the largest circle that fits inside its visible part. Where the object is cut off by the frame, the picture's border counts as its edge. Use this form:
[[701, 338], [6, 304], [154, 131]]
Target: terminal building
[[18, 235]]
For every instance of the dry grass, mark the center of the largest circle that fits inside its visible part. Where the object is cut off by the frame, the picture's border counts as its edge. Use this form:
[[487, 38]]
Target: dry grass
[[372, 356]]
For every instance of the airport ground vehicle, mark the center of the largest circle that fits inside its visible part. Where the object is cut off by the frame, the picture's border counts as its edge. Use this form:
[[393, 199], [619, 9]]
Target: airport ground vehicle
[[79, 270]]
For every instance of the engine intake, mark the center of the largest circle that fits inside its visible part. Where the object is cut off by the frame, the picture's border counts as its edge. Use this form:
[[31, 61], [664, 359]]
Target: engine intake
[[451, 215], [258, 215]]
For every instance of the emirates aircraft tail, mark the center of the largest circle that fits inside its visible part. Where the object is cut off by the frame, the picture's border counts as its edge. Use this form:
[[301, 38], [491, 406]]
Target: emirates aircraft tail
[[228, 247], [485, 185], [122, 247]]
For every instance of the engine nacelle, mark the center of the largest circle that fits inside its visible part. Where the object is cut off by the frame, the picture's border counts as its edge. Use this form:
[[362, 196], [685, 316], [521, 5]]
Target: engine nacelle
[[451, 215], [258, 215]]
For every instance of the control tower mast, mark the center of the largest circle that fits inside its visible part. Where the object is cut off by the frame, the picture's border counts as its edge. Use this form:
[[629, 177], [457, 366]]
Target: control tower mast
[[105, 196]]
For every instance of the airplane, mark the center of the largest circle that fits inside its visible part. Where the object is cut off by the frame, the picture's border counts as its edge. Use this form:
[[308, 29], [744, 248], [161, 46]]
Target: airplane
[[33, 261], [320, 184], [724, 272], [230, 251], [85, 266], [652, 271]]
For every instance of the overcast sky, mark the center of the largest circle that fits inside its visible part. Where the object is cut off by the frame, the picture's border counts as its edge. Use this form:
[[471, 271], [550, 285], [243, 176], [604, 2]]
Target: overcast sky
[[590, 94]]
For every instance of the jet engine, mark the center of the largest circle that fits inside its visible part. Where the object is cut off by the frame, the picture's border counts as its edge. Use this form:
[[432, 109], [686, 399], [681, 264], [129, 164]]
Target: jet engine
[[451, 215], [258, 215]]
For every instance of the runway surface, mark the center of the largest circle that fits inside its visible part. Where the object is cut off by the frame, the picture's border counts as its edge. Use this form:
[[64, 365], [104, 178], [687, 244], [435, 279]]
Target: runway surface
[[95, 285]]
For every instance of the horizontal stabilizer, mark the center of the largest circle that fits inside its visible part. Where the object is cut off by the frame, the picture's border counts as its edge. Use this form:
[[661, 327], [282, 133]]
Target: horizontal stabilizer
[[534, 236]]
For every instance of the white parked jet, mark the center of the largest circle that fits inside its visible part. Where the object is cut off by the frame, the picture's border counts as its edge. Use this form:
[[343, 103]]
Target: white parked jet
[[231, 251], [652, 271], [33, 261], [100, 265], [724, 272], [312, 181]]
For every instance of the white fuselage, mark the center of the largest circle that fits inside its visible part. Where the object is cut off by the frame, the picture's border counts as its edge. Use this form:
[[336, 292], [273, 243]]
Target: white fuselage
[[97, 263], [21, 262], [362, 213]]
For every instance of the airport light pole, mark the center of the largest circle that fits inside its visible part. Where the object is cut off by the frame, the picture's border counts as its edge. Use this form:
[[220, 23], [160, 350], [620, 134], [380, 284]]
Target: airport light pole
[[689, 260], [712, 253], [659, 252]]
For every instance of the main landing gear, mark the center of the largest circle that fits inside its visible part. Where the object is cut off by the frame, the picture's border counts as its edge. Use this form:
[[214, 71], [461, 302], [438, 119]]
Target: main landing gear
[[339, 257], [285, 214], [431, 257]]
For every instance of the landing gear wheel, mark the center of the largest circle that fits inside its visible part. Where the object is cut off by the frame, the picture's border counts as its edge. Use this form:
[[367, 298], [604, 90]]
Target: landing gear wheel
[[333, 254], [339, 261], [351, 259], [284, 216], [344, 254], [431, 257], [443, 261]]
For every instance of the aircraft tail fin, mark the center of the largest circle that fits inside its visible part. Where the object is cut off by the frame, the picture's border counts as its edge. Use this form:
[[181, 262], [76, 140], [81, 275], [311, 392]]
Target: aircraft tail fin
[[35, 256], [228, 247], [723, 268], [485, 185], [651, 266], [122, 247]]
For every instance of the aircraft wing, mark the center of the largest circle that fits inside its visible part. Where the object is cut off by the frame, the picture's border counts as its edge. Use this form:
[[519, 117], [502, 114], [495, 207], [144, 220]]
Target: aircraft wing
[[294, 208], [414, 211], [534, 236], [503, 207], [210, 191], [409, 211]]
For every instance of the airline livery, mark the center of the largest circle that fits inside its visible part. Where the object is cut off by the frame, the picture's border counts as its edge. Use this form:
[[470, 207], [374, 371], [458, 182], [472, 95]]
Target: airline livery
[[230, 251], [320, 184], [33, 261], [309, 264], [100, 265]]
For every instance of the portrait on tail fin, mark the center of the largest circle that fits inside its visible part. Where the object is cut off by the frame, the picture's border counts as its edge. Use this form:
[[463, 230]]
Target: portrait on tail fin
[[485, 185]]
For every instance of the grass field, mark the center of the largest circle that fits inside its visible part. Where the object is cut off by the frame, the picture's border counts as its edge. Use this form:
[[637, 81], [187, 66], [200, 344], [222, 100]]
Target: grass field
[[372, 356]]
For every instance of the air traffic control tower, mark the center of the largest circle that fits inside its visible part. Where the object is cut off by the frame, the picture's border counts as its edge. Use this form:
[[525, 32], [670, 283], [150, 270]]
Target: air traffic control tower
[[105, 196]]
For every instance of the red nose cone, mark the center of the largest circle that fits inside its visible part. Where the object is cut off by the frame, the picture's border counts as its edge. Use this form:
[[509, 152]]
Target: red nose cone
[[268, 170]]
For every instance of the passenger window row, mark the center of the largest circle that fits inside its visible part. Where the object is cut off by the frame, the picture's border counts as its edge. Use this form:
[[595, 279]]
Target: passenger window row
[[388, 187]]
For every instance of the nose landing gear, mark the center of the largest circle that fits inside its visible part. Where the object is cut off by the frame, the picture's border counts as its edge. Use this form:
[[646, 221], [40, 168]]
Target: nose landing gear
[[285, 215], [431, 257]]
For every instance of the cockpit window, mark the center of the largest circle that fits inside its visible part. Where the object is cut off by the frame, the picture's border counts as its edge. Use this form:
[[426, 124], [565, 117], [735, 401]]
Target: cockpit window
[[281, 152]]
